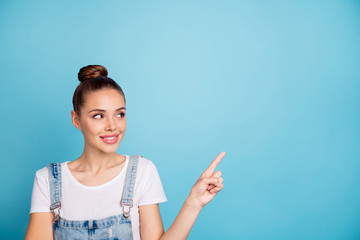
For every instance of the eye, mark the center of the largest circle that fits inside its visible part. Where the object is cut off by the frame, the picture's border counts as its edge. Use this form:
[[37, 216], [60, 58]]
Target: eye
[[121, 114], [97, 116]]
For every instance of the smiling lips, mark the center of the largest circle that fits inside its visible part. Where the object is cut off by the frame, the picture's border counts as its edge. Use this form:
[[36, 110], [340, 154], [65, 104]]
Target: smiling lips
[[110, 139]]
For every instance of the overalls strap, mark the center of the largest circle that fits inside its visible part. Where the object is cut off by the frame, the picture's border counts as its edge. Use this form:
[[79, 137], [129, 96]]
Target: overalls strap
[[55, 188], [127, 195]]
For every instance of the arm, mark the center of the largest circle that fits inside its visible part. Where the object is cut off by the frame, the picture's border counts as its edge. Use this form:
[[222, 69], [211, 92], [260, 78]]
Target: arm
[[151, 226], [181, 227], [40, 226], [41, 219], [204, 190]]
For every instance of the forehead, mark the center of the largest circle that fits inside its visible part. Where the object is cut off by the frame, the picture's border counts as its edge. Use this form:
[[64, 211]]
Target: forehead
[[107, 99]]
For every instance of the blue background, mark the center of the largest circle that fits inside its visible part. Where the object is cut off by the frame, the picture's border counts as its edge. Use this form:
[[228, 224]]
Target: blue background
[[273, 83]]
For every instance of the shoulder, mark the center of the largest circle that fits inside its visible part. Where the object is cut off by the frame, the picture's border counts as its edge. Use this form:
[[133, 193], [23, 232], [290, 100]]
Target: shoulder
[[146, 168], [43, 173], [145, 164], [148, 187]]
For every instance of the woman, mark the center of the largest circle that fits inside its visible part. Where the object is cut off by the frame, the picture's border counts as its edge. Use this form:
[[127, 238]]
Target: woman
[[120, 192]]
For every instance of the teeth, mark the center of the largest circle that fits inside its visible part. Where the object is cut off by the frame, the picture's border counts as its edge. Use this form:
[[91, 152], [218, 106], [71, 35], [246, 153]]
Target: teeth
[[110, 138]]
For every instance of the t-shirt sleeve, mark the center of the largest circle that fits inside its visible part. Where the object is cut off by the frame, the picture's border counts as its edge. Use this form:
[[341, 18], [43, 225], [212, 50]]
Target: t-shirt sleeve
[[152, 191], [40, 198]]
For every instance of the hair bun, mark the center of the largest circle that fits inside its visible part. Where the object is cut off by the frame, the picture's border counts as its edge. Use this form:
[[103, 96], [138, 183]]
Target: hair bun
[[92, 71]]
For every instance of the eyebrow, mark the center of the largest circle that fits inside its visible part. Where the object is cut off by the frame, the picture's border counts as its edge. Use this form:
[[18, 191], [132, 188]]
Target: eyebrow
[[102, 110]]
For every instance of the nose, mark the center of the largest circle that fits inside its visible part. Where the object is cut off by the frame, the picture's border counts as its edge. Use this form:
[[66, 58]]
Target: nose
[[110, 125]]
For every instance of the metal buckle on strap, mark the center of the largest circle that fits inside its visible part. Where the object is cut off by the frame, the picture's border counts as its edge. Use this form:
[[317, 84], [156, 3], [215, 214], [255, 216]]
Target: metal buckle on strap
[[126, 202], [55, 206], [126, 213]]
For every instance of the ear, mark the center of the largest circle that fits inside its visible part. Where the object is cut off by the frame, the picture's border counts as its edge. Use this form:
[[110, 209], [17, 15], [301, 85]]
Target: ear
[[75, 119]]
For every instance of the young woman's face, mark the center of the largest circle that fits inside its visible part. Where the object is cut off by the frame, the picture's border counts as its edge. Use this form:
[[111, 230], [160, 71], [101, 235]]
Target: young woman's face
[[102, 120]]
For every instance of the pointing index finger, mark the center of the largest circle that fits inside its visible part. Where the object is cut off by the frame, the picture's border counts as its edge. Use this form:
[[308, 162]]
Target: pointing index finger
[[214, 163]]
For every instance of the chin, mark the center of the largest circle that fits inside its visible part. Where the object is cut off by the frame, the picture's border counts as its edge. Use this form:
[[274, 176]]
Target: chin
[[110, 150]]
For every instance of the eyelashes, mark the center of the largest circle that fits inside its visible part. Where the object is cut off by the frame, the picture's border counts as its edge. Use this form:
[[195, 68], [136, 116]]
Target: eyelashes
[[99, 115]]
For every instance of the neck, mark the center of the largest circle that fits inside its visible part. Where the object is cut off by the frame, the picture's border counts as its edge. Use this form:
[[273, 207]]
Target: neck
[[94, 161]]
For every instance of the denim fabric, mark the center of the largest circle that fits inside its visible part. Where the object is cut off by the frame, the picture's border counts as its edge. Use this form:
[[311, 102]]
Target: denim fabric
[[115, 227], [55, 188], [129, 184]]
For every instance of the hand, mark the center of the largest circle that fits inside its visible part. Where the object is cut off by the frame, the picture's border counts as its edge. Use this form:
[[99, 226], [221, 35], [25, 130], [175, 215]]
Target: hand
[[209, 183]]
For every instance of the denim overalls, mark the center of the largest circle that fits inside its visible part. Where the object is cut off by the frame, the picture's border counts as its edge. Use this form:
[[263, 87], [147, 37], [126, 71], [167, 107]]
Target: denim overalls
[[115, 227]]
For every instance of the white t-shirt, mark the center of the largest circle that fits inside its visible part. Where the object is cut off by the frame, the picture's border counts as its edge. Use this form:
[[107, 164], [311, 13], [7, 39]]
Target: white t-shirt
[[81, 202]]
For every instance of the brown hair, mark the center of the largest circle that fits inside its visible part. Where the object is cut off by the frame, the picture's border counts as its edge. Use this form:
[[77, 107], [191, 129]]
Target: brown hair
[[92, 78]]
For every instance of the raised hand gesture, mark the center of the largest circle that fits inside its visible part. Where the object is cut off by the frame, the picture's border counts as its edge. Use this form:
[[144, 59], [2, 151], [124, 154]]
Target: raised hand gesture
[[204, 190], [209, 183]]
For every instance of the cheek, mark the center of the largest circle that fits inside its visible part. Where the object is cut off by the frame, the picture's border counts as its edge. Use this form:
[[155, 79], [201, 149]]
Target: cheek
[[122, 124], [91, 129]]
